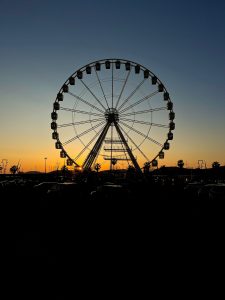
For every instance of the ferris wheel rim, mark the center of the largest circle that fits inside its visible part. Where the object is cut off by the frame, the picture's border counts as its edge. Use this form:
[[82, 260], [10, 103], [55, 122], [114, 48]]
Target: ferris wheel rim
[[112, 60]]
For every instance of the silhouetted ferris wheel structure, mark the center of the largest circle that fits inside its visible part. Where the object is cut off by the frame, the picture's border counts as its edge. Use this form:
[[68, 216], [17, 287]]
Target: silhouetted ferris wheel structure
[[112, 110]]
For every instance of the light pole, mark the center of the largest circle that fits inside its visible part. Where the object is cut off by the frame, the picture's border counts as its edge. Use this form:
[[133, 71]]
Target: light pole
[[45, 164]]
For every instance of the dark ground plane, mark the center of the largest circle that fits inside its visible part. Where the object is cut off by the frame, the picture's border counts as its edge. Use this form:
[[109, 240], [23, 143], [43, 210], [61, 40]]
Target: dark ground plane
[[86, 227]]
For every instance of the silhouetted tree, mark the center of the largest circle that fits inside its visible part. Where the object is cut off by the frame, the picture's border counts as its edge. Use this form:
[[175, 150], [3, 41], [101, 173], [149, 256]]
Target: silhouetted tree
[[114, 161], [215, 165], [180, 163], [13, 169], [97, 167]]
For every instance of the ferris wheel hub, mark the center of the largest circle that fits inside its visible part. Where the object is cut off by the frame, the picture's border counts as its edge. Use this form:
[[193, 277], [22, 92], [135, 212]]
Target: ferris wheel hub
[[112, 115]]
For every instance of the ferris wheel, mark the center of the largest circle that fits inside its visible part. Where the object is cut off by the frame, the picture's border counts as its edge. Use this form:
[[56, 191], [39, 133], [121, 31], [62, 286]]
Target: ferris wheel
[[114, 112]]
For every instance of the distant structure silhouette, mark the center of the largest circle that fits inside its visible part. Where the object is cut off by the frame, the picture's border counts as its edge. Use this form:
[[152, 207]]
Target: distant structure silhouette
[[15, 168], [201, 164], [97, 167], [215, 165], [4, 164]]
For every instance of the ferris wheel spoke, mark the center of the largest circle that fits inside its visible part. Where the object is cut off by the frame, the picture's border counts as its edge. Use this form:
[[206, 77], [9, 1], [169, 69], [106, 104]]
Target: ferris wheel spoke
[[84, 101], [79, 123], [82, 133], [90, 91], [101, 88], [160, 125], [131, 94], [70, 158], [112, 85], [143, 111], [144, 123], [142, 134], [123, 87], [81, 112], [133, 142], [91, 141], [139, 101]]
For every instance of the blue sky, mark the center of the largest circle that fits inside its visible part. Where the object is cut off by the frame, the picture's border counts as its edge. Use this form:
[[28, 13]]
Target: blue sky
[[43, 42]]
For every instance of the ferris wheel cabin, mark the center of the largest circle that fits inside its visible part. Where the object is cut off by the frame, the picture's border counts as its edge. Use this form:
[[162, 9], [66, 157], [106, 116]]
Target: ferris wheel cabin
[[79, 74], [166, 146], [154, 79], [107, 64], [54, 115], [60, 97], [97, 66], [55, 135], [171, 115], [56, 106], [137, 69], [72, 81], [65, 88], [117, 63], [170, 136], [169, 105], [161, 155]]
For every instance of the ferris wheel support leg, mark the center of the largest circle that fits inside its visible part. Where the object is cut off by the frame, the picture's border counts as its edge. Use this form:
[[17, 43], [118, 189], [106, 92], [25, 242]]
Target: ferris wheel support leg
[[95, 150], [136, 165]]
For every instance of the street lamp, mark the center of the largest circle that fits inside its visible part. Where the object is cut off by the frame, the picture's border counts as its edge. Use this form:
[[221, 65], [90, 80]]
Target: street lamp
[[45, 164]]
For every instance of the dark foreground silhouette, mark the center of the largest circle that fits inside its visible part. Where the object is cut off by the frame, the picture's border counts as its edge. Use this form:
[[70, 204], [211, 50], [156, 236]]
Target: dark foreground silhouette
[[87, 227]]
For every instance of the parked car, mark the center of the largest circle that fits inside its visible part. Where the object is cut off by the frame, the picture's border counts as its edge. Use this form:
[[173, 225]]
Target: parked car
[[109, 191], [217, 192], [62, 187], [43, 187], [203, 191], [191, 189]]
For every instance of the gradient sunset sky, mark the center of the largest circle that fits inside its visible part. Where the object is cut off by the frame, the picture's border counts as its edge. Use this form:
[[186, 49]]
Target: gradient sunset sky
[[44, 42]]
